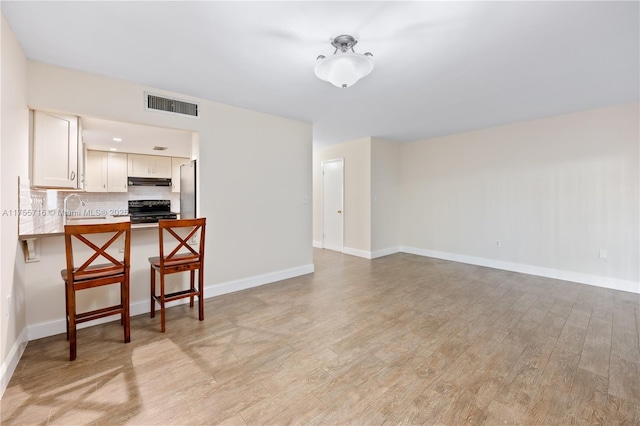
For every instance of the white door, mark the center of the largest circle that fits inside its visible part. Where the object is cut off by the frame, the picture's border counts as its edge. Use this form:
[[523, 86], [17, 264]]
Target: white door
[[332, 204]]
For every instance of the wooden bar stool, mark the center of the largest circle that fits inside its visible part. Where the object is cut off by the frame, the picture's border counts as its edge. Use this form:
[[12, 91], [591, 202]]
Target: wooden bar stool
[[90, 275], [187, 255]]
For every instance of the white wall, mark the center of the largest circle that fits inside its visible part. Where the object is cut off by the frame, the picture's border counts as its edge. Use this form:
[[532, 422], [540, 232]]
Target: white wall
[[14, 133], [371, 195], [385, 197], [254, 171], [553, 191], [357, 193]]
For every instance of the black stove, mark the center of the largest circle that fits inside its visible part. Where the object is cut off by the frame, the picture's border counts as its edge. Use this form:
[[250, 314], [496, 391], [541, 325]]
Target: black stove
[[150, 211]]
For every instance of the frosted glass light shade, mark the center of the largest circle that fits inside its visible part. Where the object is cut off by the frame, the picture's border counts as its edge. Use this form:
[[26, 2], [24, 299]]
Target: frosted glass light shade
[[344, 69]]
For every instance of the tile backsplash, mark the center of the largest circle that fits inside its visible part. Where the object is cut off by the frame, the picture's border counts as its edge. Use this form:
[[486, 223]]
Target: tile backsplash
[[33, 209], [117, 201], [42, 209]]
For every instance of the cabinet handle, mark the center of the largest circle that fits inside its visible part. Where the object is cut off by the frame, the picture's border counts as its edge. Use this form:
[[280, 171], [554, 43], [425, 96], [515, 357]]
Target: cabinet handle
[[73, 175]]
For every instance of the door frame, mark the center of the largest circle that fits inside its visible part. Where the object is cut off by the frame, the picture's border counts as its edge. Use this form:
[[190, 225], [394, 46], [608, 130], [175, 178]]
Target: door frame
[[323, 163]]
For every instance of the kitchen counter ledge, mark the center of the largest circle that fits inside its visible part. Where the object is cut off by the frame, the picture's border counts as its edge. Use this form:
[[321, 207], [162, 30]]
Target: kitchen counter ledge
[[30, 239], [58, 229]]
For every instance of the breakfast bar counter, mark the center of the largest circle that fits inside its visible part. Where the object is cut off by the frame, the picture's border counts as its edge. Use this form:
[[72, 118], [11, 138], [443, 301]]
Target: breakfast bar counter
[[56, 227]]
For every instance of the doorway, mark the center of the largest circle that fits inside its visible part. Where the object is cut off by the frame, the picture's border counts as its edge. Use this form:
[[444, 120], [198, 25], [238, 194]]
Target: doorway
[[333, 204]]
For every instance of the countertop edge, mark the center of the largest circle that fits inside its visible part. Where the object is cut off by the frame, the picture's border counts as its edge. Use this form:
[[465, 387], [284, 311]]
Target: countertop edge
[[57, 233]]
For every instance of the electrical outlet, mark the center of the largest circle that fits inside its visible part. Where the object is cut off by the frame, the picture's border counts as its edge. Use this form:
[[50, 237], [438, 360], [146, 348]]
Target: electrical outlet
[[603, 253], [8, 306], [498, 243]]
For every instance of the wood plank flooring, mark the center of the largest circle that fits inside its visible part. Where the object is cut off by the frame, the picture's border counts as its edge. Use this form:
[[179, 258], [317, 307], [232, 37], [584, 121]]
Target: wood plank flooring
[[401, 339]]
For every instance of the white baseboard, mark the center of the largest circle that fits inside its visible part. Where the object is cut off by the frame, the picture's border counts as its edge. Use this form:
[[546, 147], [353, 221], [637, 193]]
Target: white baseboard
[[51, 328], [318, 244], [9, 365], [257, 280], [370, 254], [356, 252], [384, 252], [594, 280]]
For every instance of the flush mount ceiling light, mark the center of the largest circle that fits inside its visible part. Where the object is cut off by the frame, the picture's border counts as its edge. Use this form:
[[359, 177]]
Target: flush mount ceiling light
[[345, 67]]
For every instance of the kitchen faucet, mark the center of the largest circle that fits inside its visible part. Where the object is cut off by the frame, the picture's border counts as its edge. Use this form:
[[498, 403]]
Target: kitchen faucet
[[64, 204]]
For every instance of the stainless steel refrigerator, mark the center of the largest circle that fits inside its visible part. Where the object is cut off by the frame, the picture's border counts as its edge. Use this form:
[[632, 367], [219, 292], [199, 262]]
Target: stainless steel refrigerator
[[188, 190]]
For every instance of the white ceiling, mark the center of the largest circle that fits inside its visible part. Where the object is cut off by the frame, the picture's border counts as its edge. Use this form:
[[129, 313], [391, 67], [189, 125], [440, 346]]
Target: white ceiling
[[98, 134], [440, 67]]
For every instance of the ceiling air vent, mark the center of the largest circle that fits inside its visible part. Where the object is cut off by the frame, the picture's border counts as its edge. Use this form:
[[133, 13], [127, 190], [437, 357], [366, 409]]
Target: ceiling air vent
[[171, 105]]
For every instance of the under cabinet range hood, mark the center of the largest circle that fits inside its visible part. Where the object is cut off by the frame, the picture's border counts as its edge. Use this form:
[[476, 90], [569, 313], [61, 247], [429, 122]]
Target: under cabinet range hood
[[148, 181]]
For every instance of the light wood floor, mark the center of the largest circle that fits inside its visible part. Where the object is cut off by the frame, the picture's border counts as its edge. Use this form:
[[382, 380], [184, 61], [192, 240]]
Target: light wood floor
[[400, 339]]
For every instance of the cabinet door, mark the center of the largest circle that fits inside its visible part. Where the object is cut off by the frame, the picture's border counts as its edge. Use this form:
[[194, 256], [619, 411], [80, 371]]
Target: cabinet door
[[55, 150], [161, 167], [96, 172], [82, 157], [176, 162], [139, 165], [117, 172]]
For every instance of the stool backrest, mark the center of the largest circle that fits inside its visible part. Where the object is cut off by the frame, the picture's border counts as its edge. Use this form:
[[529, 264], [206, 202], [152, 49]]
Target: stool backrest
[[84, 233], [189, 247]]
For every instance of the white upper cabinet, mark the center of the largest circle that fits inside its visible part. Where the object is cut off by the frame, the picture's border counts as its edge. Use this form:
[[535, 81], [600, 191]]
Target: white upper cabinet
[[106, 172], [82, 156], [162, 167], [116, 172], [96, 171], [140, 165], [176, 162], [55, 150]]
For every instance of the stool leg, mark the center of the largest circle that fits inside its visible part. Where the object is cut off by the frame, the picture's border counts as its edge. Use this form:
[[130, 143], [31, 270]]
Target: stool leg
[[161, 302], [192, 283], [126, 314], [122, 302], [66, 304], [153, 292], [72, 321], [201, 293]]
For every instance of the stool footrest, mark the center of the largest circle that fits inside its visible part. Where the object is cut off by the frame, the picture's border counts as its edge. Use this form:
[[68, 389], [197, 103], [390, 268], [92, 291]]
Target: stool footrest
[[178, 295], [99, 313]]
